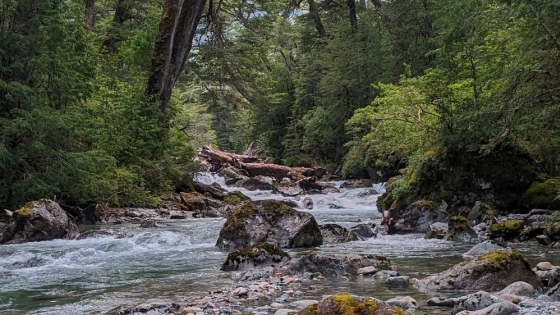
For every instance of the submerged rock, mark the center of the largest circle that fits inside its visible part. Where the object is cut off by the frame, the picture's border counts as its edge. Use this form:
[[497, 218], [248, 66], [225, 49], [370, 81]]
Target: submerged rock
[[269, 221], [40, 220], [419, 216], [307, 203], [490, 272], [345, 303], [334, 233], [332, 265], [363, 230], [357, 183], [261, 254]]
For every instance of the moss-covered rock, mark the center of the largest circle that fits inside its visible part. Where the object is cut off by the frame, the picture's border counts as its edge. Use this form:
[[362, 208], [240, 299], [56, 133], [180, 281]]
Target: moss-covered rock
[[214, 190], [542, 195], [346, 304], [235, 198], [269, 221], [193, 200], [260, 254], [490, 272], [481, 212], [508, 229], [419, 216], [332, 265], [39, 220], [459, 229]]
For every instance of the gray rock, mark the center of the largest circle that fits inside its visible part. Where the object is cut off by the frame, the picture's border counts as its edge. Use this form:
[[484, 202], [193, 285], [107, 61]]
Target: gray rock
[[518, 288], [307, 203], [331, 265], [284, 311], [369, 270], [502, 308], [258, 255], [301, 304], [475, 302], [357, 183], [491, 272], [40, 220], [404, 302], [397, 282], [419, 216], [436, 230], [482, 248], [151, 224], [269, 221], [256, 183], [363, 230], [334, 233]]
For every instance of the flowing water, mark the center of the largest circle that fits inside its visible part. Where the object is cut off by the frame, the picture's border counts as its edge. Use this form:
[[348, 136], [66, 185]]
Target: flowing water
[[94, 275]]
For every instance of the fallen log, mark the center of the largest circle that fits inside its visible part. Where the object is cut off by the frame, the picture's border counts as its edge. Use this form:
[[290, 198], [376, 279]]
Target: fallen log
[[255, 166]]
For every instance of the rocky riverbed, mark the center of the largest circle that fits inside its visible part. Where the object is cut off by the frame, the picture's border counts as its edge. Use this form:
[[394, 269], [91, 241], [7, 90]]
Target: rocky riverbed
[[172, 266]]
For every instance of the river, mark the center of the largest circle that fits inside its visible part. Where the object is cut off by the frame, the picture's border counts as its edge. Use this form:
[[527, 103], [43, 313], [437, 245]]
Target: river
[[94, 275]]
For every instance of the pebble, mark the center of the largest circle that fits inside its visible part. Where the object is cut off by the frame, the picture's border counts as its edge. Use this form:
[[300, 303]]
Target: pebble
[[240, 291], [276, 305]]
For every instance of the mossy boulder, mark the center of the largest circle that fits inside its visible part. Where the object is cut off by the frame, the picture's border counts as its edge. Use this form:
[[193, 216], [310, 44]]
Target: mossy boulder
[[269, 221], [255, 183], [193, 200], [459, 229], [332, 265], [489, 272], [419, 216], [347, 304], [235, 198], [542, 195], [258, 255], [507, 229], [481, 212], [334, 233], [40, 220]]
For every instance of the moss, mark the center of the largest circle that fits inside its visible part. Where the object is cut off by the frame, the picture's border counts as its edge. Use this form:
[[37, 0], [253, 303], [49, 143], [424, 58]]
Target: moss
[[193, 200], [310, 310], [499, 260], [238, 217], [426, 204], [25, 211], [236, 197], [458, 223], [542, 195], [507, 229], [345, 304]]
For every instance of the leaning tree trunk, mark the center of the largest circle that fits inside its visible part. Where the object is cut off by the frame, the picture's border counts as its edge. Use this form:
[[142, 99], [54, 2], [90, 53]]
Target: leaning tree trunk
[[122, 15], [314, 12], [353, 15], [90, 4], [173, 43]]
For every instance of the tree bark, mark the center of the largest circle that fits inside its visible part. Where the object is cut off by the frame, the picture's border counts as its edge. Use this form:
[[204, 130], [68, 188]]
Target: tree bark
[[122, 14], [90, 4], [173, 44], [314, 12], [353, 15]]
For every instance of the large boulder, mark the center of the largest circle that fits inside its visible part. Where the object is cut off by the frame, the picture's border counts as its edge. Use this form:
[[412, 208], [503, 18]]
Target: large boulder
[[507, 229], [332, 265], [258, 255], [334, 233], [490, 272], [213, 191], [269, 221], [287, 189], [482, 249], [459, 229], [256, 183], [419, 216], [345, 303], [437, 230], [39, 220]]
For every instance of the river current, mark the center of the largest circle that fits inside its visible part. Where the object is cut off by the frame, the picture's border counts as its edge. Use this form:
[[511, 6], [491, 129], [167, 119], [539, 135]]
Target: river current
[[94, 275]]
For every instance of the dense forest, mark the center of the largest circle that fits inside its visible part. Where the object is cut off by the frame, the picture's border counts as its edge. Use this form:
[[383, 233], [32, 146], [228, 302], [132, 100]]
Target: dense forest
[[107, 101]]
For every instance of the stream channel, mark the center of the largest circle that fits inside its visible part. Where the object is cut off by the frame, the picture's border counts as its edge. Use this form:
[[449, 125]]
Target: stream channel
[[94, 275]]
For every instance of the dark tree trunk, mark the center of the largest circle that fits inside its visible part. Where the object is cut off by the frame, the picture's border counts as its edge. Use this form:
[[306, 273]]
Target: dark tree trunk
[[173, 44], [314, 12], [122, 14], [353, 15], [90, 4]]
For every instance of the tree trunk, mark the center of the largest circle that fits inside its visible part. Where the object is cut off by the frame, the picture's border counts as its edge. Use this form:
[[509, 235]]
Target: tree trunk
[[122, 14], [314, 12], [353, 15], [90, 4], [173, 43]]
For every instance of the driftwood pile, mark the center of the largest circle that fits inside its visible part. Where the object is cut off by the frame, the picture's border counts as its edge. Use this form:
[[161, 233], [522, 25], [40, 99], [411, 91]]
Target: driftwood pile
[[252, 165]]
